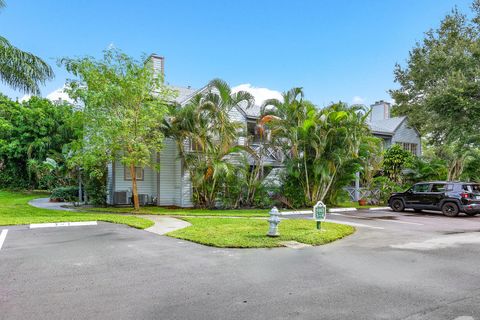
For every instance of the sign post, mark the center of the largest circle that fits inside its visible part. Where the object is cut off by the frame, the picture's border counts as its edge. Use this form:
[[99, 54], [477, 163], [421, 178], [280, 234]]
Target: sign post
[[319, 213]]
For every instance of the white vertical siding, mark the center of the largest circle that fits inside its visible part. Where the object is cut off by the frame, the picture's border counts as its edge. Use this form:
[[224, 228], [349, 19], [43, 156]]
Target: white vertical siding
[[110, 183]]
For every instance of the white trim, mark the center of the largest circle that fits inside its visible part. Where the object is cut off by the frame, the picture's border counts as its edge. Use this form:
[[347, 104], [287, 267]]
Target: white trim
[[3, 235], [62, 224]]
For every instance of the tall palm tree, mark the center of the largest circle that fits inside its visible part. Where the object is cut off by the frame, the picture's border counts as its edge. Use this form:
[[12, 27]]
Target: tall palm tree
[[22, 70], [212, 135]]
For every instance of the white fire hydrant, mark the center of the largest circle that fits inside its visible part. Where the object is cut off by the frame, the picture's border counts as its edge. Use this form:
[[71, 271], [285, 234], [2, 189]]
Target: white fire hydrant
[[274, 220]]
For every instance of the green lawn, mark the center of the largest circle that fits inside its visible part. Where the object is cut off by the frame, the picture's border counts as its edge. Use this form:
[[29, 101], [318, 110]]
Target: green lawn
[[183, 211], [14, 209], [251, 233], [352, 204]]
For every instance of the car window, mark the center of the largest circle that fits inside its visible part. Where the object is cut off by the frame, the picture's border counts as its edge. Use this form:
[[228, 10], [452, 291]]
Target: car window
[[438, 187], [472, 188], [422, 187]]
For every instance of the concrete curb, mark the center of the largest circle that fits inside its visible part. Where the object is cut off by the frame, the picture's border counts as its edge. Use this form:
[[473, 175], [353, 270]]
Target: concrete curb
[[341, 209], [379, 208]]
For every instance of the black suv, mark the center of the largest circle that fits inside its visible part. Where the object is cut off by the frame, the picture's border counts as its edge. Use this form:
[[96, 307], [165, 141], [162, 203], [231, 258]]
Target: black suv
[[449, 197]]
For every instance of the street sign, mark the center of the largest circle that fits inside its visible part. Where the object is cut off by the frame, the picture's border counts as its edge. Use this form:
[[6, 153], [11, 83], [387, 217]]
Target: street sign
[[319, 213]]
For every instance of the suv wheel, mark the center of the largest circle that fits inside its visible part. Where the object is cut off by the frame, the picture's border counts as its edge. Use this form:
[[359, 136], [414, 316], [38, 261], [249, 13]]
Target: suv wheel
[[450, 209], [397, 205]]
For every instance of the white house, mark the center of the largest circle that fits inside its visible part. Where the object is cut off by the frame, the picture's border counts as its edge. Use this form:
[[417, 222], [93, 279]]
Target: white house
[[171, 186]]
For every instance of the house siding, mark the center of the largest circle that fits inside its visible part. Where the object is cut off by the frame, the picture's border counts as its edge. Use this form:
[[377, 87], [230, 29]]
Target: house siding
[[174, 184], [407, 134]]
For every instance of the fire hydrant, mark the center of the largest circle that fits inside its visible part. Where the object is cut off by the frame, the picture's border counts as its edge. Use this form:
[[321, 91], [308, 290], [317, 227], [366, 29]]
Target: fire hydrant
[[274, 220]]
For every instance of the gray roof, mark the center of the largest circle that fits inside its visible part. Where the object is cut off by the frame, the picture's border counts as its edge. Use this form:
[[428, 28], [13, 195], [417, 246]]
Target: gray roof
[[386, 126], [183, 93]]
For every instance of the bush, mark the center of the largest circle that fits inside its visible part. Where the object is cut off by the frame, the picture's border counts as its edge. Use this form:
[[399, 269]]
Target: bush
[[65, 193], [386, 187]]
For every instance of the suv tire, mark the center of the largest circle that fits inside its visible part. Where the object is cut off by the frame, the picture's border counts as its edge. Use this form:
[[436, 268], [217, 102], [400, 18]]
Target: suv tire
[[397, 205], [450, 209]]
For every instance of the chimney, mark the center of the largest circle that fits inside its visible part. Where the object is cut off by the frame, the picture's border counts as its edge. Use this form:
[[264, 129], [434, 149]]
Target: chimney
[[158, 63], [380, 110]]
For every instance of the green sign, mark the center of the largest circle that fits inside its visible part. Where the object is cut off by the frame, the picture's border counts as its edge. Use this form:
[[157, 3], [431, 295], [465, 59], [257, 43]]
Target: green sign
[[320, 211]]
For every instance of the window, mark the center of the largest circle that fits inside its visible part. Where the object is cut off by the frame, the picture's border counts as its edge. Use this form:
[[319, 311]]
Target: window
[[196, 146], [138, 173], [422, 187], [253, 133], [472, 188], [437, 187], [410, 147]]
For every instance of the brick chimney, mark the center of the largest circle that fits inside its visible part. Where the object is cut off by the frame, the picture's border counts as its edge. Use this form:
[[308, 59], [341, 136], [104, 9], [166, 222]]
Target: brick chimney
[[380, 110]]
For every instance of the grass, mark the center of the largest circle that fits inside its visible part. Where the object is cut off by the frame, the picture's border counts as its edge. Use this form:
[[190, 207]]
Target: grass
[[181, 212], [14, 209], [352, 204], [251, 233]]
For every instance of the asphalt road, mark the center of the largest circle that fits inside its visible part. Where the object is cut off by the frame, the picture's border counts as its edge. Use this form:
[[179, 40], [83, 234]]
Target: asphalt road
[[406, 266]]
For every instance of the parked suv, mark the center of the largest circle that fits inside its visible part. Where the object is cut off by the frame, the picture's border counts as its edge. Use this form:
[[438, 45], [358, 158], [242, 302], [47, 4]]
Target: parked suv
[[449, 197]]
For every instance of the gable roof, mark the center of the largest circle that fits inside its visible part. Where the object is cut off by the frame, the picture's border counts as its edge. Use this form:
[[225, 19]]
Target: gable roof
[[184, 93], [386, 126]]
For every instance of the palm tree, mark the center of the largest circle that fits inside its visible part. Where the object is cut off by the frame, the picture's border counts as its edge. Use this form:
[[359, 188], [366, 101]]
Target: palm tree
[[212, 138], [22, 70]]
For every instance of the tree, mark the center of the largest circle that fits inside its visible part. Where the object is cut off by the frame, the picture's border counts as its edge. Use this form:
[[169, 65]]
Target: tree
[[22, 70], [124, 104], [30, 133], [317, 143], [395, 160], [212, 139], [439, 86]]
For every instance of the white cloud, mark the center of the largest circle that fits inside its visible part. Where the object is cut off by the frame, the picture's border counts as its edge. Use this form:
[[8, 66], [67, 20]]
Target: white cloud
[[260, 94], [358, 100], [25, 98], [59, 95]]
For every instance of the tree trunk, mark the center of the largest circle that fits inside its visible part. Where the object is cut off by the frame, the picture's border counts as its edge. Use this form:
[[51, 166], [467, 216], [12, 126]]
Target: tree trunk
[[133, 174]]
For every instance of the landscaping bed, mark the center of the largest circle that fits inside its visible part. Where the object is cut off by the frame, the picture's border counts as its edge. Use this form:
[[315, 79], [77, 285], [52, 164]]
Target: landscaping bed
[[251, 233]]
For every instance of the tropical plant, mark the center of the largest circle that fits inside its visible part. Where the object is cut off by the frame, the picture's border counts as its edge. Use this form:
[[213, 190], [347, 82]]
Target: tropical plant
[[212, 155], [22, 70], [124, 103], [317, 143], [30, 133], [395, 160]]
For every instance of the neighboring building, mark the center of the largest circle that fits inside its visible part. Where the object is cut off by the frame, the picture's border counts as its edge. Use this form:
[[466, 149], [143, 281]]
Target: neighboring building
[[394, 130], [171, 186]]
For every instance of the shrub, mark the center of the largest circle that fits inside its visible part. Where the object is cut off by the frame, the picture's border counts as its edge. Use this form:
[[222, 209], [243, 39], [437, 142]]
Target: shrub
[[65, 193], [386, 187]]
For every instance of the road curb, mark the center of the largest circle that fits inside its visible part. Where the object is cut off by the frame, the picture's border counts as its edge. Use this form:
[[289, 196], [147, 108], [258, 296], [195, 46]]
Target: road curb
[[379, 208], [341, 209]]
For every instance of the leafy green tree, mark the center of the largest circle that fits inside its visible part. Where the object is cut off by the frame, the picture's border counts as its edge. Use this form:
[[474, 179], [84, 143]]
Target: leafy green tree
[[439, 86], [31, 132], [124, 103], [22, 70], [395, 160]]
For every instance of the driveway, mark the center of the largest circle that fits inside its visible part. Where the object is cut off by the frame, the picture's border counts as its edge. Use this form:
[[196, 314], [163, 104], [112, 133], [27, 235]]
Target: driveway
[[404, 266]]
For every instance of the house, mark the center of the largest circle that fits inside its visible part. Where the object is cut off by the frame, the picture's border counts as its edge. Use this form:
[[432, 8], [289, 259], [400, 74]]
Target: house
[[393, 130], [171, 186]]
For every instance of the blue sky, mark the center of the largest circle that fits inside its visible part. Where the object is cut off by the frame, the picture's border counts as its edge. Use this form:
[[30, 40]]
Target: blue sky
[[334, 49]]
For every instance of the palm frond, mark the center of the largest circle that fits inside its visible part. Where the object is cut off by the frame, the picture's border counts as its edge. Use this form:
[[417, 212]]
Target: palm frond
[[22, 70]]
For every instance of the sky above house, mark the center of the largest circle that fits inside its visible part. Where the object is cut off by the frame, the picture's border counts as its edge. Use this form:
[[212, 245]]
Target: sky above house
[[337, 50]]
